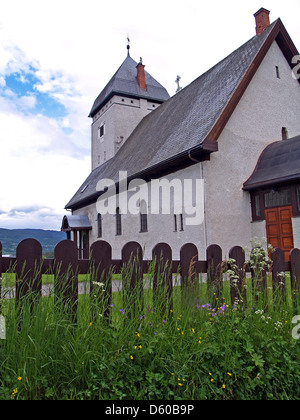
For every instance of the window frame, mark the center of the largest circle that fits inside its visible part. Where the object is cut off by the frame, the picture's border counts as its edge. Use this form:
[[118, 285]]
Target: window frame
[[295, 201]]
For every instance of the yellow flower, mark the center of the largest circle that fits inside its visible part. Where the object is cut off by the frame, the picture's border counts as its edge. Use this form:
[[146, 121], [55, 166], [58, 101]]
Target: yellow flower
[[140, 347], [193, 331], [229, 374], [179, 384], [131, 357], [199, 341], [223, 386], [19, 378], [211, 380], [209, 374]]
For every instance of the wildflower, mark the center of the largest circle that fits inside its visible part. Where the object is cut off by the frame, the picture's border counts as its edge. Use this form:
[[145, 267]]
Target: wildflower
[[14, 393], [209, 374], [131, 357], [140, 347], [19, 378], [164, 321], [193, 331], [228, 373], [122, 311], [180, 384], [223, 386], [211, 380]]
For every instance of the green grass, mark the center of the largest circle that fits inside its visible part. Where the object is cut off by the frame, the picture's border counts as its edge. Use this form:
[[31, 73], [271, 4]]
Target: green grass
[[146, 351]]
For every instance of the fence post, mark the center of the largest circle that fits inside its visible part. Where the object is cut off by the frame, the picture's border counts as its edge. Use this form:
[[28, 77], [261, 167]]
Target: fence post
[[101, 259], [188, 259], [214, 265], [132, 273], [237, 289], [0, 275], [29, 255], [278, 270], [295, 269], [66, 276], [162, 274]]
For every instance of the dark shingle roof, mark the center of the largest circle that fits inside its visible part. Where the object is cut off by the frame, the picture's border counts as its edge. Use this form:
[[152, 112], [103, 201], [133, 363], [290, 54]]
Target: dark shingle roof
[[124, 81], [279, 163], [185, 121]]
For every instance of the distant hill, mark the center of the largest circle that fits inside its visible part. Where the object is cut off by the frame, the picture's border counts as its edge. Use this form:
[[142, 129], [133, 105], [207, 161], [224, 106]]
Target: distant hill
[[10, 238]]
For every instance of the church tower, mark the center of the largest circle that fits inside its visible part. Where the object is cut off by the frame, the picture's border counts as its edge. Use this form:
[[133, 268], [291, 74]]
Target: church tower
[[128, 97]]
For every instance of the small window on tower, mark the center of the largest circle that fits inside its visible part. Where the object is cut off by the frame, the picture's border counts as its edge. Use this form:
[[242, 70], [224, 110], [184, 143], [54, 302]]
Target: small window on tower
[[277, 72], [101, 131]]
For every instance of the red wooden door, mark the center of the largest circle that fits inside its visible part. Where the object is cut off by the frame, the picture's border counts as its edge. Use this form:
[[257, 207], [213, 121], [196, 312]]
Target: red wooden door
[[279, 229]]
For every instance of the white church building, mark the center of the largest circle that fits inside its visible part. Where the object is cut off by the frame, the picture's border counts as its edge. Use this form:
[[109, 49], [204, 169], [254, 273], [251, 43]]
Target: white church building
[[217, 163]]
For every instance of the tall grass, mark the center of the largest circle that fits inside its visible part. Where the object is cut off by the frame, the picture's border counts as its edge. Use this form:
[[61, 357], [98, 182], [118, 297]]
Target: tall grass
[[197, 348]]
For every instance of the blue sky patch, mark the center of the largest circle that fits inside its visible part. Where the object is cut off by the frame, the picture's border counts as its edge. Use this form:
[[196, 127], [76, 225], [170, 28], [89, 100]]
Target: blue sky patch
[[24, 84]]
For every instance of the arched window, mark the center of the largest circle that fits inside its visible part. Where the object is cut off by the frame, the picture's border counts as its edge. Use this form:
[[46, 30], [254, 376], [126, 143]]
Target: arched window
[[143, 217], [118, 222], [99, 221]]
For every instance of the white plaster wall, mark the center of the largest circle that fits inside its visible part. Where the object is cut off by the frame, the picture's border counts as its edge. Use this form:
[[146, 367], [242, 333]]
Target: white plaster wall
[[296, 231], [120, 116], [267, 105], [160, 227]]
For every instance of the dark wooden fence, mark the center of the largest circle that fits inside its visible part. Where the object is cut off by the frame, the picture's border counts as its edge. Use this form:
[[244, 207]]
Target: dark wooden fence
[[29, 267]]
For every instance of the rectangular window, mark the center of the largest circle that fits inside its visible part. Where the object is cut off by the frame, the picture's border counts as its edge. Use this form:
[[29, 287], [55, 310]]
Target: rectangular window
[[118, 222], [175, 223], [181, 222], [99, 220], [278, 198], [257, 206], [101, 131], [144, 222], [178, 222], [277, 72]]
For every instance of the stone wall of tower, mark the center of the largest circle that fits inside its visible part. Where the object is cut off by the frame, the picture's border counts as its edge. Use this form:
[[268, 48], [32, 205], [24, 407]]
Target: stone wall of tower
[[114, 123]]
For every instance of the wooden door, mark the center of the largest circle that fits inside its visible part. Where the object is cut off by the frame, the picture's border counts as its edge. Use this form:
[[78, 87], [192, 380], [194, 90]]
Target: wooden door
[[279, 228]]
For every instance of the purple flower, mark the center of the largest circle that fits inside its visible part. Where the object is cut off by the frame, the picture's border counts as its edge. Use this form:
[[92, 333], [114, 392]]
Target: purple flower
[[122, 311], [164, 321]]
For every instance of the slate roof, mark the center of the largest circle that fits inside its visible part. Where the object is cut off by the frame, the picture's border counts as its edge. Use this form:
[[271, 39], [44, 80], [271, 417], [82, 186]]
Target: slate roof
[[124, 82], [279, 163], [190, 119]]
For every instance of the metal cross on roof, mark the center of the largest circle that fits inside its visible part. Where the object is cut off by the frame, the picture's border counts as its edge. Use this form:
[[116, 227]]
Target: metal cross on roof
[[178, 85]]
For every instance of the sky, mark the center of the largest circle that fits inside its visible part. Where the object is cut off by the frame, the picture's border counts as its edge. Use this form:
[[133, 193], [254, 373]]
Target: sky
[[55, 58]]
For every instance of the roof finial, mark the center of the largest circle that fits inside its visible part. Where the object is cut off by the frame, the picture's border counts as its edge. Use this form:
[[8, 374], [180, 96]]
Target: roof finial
[[128, 45]]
